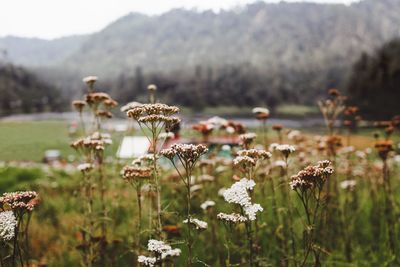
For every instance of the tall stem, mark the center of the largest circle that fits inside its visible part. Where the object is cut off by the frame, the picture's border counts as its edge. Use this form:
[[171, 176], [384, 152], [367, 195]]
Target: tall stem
[[139, 203], [156, 179], [189, 241]]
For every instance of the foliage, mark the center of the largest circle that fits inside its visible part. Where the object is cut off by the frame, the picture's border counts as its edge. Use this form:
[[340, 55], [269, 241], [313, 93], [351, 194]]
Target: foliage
[[375, 82]]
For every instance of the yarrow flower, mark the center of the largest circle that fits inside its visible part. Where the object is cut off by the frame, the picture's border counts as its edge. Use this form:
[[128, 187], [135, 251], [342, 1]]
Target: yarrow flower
[[312, 176], [231, 218], [244, 161], [261, 113], [286, 150], [95, 142], [247, 138], [20, 200], [255, 153], [157, 246], [207, 204], [186, 152], [238, 193], [198, 224], [161, 250], [148, 261], [135, 172], [8, 222], [85, 167]]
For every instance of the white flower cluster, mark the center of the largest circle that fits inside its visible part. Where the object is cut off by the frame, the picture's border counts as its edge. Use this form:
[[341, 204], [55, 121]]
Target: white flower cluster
[[207, 204], [8, 222], [198, 224], [148, 261], [238, 193], [158, 246], [160, 249], [231, 218]]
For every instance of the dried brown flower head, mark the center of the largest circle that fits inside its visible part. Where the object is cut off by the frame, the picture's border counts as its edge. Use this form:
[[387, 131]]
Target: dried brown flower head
[[261, 113], [384, 147], [104, 114], [311, 177], [277, 127], [334, 92], [20, 200], [78, 105], [132, 173]]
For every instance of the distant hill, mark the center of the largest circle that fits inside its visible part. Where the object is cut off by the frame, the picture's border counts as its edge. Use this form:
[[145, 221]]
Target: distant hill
[[273, 36], [35, 52], [284, 35], [23, 92], [258, 54]]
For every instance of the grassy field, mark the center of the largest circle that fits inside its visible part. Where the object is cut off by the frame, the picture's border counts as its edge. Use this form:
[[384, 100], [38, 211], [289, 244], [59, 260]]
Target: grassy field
[[29, 140], [355, 235]]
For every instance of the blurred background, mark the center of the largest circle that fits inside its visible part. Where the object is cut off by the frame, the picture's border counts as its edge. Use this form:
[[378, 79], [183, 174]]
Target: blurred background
[[208, 57]]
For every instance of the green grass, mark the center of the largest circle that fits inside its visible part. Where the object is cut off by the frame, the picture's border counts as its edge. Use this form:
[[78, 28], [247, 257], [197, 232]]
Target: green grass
[[29, 140]]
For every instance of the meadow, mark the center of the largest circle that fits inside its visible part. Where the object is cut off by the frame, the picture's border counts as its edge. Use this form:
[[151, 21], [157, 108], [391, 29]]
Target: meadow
[[276, 197]]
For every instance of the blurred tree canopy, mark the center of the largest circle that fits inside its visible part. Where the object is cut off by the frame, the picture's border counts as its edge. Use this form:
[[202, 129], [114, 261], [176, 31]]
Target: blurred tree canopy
[[22, 91], [374, 84]]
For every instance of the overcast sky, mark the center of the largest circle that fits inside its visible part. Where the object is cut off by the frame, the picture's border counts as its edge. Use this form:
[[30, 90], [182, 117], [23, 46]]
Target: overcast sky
[[55, 18]]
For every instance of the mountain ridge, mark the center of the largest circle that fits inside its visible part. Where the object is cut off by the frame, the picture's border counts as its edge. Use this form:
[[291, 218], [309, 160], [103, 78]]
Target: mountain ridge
[[279, 35]]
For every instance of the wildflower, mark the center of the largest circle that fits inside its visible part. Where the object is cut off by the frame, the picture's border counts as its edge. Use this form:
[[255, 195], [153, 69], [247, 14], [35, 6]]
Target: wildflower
[[157, 246], [231, 218], [312, 176], [348, 184], [110, 103], [85, 167], [148, 261], [104, 114], [251, 211], [186, 152], [161, 250], [136, 172], [8, 222], [255, 153], [244, 161], [277, 127], [384, 147], [129, 106], [207, 204], [171, 253], [152, 87], [204, 128], [247, 138], [78, 105], [96, 98], [238, 193], [334, 92], [261, 113], [90, 80], [198, 224], [20, 200], [286, 150], [195, 188]]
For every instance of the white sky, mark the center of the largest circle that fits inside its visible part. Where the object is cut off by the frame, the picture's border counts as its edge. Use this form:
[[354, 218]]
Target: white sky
[[55, 18]]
